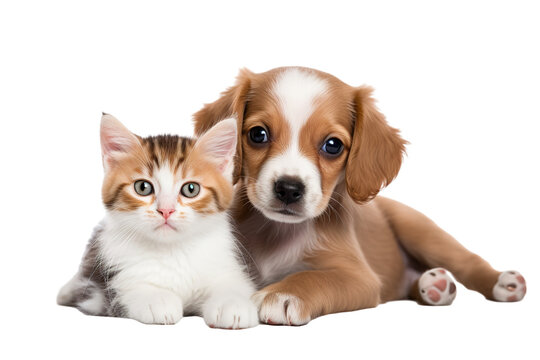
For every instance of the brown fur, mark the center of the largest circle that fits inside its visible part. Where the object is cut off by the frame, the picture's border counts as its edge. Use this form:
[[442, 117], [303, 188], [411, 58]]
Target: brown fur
[[376, 151], [362, 245]]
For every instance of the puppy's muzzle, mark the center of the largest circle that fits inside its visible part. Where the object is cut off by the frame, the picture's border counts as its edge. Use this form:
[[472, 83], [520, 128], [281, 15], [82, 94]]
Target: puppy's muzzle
[[289, 189]]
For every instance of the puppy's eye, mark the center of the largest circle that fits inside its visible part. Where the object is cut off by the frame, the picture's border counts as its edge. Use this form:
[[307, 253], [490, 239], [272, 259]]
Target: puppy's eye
[[258, 135], [143, 187], [190, 190], [332, 146]]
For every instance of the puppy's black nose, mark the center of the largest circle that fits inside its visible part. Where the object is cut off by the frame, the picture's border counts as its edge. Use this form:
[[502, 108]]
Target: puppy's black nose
[[289, 189]]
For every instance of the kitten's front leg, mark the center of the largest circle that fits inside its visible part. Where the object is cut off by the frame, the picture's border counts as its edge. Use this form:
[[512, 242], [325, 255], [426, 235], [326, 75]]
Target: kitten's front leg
[[229, 307], [151, 304]]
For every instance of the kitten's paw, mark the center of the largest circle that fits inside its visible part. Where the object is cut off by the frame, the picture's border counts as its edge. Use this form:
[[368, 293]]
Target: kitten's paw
[[154, 307], [510, 287], [436, 287], [280, 309], [230, 313]]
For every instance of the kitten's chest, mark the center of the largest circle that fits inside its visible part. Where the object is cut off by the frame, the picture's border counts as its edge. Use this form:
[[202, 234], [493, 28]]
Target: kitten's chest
[[171, 268]]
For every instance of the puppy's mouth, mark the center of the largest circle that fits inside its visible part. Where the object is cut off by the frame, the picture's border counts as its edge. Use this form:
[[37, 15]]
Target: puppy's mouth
[[286, 212]]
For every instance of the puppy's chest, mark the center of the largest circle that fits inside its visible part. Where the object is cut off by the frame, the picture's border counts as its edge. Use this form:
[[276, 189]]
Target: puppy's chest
[[281, 253]]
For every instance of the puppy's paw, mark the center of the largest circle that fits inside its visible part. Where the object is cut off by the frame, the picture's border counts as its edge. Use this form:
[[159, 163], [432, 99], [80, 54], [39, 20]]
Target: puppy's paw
[[436, 287], [510, 287], [230, 313], [280, 309], [154, 307]]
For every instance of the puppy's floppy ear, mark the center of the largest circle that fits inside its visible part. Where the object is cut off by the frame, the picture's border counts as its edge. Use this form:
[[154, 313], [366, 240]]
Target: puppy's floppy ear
[[232, 103], [376, 149]]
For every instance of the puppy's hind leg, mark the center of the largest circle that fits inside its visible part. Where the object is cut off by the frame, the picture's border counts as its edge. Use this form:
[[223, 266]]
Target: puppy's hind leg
[[433, 247]]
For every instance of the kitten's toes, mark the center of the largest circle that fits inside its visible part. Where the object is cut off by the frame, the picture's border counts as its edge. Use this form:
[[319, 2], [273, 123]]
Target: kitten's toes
[[156, 307], [232, 313]]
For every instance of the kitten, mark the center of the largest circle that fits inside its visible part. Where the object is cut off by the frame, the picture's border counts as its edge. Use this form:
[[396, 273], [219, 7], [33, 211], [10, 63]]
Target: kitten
[[165, 247]]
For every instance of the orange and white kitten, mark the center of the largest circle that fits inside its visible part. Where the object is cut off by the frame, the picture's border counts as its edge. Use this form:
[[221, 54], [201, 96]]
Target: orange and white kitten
[[165, 248]]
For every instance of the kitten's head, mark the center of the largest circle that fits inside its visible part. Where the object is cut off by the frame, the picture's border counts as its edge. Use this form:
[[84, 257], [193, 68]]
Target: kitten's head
[[162, 186]]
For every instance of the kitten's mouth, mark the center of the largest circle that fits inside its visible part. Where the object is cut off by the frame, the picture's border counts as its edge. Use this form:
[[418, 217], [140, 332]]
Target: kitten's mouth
[[166, 225]]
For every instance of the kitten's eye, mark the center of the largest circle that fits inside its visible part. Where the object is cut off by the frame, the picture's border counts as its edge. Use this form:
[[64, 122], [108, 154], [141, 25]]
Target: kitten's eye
[[190, 190], [143, 187], [258, 135], [332, 146]]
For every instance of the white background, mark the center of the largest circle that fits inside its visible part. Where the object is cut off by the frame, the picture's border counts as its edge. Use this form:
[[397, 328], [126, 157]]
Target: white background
[[460, 79]]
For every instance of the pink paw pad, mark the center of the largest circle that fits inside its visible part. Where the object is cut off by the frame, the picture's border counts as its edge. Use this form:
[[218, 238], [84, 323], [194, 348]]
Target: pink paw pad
[[434, 295], [437, 287], [510, 287], [440, 284]]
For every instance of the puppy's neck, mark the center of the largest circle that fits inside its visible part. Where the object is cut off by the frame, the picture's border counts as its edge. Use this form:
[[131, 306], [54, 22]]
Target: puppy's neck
[[268, 234]]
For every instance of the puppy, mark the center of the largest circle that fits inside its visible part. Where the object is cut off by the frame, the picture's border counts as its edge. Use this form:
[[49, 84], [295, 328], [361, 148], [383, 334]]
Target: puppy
[[313, 152]]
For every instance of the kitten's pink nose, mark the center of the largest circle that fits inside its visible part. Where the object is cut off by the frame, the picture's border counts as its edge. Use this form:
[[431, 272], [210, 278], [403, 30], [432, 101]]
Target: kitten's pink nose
[[165, 212]]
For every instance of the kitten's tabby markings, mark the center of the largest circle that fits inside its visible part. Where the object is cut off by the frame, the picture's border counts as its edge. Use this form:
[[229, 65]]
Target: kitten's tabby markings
[[165, 247]]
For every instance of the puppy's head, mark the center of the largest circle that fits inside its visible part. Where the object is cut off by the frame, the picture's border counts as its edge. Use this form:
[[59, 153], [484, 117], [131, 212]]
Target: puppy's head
[[302, 133]]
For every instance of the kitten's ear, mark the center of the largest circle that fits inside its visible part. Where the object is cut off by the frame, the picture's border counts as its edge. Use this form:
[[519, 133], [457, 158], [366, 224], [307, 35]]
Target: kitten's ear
[[116, 140], [232, 102], [218, 145]]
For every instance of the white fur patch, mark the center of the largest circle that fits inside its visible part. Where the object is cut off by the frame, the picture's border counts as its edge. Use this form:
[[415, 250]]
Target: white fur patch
[[296, 91], [167, 188]]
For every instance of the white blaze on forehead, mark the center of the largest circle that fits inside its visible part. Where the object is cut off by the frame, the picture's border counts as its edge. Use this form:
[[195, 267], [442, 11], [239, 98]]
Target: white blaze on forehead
[[167, 188], [296, 91]]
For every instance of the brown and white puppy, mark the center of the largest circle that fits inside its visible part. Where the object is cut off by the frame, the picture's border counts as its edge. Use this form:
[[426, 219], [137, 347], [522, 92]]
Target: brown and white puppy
[[312, 155]]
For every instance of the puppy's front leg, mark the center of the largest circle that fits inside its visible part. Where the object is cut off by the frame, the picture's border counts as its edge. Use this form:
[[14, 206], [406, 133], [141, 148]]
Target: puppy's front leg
[[347, 285]]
